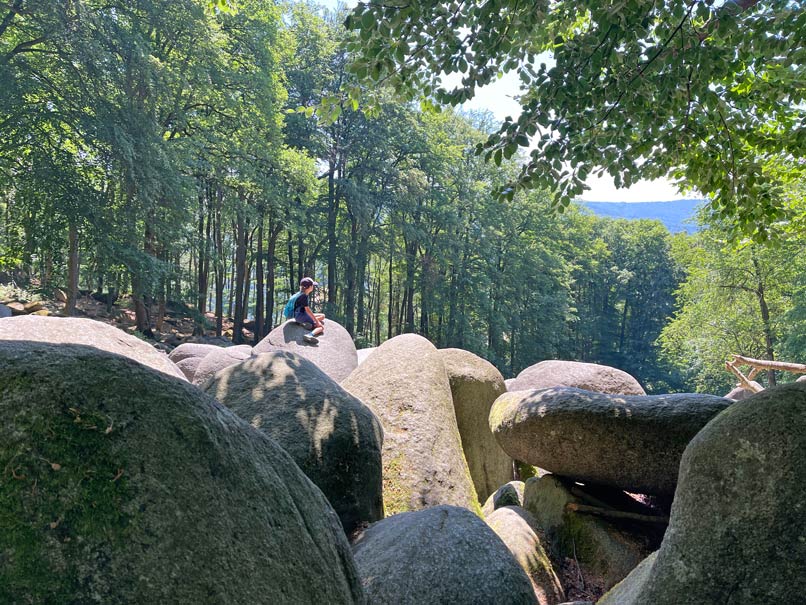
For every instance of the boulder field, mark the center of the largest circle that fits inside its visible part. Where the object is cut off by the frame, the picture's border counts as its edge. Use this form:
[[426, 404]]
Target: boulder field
[[124, 485], [632, 442]]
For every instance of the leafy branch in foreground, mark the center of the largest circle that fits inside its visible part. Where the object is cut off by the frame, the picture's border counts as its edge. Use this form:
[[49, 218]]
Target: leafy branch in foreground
[[710, 93]]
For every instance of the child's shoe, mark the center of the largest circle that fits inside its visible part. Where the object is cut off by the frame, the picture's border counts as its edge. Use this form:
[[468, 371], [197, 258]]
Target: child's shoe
[[310, 338]]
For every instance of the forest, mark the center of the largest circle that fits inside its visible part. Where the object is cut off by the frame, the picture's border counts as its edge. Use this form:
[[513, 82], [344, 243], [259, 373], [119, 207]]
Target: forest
[[197, 153]]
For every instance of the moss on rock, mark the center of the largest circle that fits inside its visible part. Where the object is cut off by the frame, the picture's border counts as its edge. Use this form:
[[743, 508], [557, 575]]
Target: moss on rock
[[122, 485]]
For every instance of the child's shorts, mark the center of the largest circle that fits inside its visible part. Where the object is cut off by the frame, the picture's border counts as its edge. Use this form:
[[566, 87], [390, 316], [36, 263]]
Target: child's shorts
[[305, 324]]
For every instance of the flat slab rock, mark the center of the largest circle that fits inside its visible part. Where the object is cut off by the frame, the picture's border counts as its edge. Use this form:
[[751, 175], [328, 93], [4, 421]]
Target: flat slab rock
[[335, 353], [633, 442], [79, 331], [445, 555], [587, 376]]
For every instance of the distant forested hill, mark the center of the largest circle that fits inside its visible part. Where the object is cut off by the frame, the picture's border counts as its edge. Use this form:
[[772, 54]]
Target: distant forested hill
[[676, 216]]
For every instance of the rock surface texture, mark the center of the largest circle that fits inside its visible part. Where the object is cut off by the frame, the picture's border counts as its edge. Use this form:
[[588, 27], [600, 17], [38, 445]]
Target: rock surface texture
[[404, 382], [737, 532], [191, 350], [71, 330], [633, 443], [475, 385], [335, 354], [334, 438], [362, 354], [509, 494], [219, 359], [444, 555], [587, 376], [126, 486], [519, 531]]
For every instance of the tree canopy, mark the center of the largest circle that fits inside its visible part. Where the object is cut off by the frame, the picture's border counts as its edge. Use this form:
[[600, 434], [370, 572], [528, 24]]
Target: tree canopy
[[705, 91]]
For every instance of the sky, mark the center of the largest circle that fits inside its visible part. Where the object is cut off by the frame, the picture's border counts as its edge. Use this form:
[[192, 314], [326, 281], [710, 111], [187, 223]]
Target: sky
[[498, 97]]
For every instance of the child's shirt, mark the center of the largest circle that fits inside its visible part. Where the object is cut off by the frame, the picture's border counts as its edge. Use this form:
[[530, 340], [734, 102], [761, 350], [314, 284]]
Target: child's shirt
[[299, 309]]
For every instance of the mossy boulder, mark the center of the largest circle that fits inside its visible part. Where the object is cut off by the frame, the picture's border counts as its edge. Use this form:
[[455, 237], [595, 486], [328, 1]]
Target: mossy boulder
[[509, 494], [633, 442], [475, 385], [217, 360], [444, 555], [586, 376], [737, 532], [520, 532], [405, 383], [335, 353], [123, 485], [78, 331], [334, 438], [604, 550]]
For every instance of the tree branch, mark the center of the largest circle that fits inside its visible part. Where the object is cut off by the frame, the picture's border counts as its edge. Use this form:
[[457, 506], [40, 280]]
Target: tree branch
[[765, 364]]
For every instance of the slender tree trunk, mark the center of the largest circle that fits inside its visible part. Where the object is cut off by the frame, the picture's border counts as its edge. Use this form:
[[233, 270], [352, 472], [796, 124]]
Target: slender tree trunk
[[350, 278], [219, 263], [271, 264], [391, 298], [362, 263], [293, 278], [259, 277], [332, 212], [240, 276], [72, 270], [769, 339]]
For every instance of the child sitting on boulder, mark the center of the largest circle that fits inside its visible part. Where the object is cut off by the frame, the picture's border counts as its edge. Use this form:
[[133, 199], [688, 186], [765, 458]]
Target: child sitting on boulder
[[302, 314]]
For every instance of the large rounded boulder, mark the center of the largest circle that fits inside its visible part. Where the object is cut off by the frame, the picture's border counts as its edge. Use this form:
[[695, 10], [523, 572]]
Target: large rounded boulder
[[633, 443], [520, 532], [78, 331], [188, 350], [475, 385], [335, 353], [444, 555], [221, 358], [736, 533], [334, 438], [405, 383], [122, 485], [586, 376]]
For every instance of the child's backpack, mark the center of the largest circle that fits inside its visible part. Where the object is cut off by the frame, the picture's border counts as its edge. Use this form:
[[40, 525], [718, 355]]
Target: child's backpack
[[288, 310]]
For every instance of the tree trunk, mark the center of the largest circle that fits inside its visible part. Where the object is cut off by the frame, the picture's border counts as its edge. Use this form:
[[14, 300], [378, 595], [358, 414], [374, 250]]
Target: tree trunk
[[769, 339], [219, 263], [259, 293], [240, 276], [72, 271], [332, 212]]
